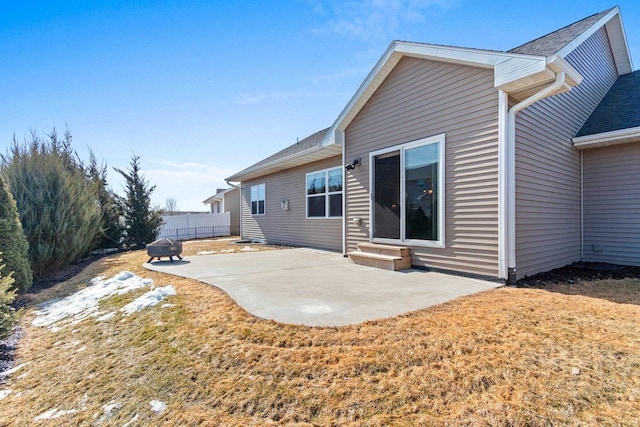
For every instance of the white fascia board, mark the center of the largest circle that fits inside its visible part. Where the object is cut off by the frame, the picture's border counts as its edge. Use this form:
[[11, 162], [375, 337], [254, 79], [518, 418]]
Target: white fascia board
[[397, 50], [615, 137], [557, 63], [617, 37], [315, 153]]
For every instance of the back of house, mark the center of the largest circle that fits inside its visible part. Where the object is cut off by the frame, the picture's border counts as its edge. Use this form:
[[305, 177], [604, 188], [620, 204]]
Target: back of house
[[498, 164]]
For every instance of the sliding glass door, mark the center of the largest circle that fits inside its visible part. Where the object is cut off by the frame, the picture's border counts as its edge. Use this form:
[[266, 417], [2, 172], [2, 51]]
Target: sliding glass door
[[407, 193]]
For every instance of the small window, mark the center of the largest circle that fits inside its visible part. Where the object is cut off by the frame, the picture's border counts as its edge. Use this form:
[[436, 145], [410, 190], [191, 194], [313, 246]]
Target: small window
[[257, 199], [324, 194]]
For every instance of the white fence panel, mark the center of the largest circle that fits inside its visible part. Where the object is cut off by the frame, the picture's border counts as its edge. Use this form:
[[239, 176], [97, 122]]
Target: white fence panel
[[193, 226]]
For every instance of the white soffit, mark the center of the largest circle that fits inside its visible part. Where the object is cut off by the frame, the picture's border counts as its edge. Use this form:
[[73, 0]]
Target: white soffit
[[622, 136]]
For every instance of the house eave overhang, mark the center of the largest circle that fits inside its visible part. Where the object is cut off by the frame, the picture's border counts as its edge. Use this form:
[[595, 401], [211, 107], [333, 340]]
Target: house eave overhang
[[320, 152], [604, 139], [514, 73], [211, 199]]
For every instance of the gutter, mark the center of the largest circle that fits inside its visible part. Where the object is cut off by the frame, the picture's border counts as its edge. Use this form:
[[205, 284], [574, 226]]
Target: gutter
[[559, 83]]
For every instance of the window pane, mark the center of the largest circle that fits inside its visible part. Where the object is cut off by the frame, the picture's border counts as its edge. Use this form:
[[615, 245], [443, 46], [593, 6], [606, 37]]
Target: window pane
[[316, 206], [261, 207], [335, 205], [260, 192], [335, 179], [254, 208], [315, 183], [421, 191]]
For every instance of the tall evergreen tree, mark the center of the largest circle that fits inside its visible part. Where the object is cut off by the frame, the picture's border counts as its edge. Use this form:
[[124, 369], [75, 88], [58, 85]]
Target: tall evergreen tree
[[142, 222], [110, 235], [13, 242], [55, 200], [7, 294]]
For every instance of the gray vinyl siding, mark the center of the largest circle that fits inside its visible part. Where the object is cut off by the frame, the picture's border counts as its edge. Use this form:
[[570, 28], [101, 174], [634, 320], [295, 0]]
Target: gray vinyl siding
[[232, 205], [612, 204], [419, 99], [548, 167], [290, 227]]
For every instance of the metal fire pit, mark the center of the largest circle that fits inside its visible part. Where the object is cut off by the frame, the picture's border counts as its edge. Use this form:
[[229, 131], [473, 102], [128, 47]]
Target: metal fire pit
[[164, 247]]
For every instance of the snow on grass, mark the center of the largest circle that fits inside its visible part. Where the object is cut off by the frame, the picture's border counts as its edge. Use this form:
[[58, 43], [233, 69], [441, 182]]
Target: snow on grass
[[157, 406], [207, 252], [131, 421], [54, 413], [13, 370], [4, 393], [108, 411], [149, 299], [84, 303], [248, 249]]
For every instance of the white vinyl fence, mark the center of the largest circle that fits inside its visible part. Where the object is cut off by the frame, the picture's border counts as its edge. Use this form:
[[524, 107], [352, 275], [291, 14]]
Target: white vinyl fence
[[194, 226]]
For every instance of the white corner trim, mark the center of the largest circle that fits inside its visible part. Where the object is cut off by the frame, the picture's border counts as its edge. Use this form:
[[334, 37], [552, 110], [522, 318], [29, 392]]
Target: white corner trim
[[615, 137], [503, 107]]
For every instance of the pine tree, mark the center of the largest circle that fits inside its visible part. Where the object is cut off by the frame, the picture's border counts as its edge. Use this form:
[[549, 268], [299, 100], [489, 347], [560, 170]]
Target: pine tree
[[55, 200], [7, 294], [110, 235], [142, 222], [13, 242]]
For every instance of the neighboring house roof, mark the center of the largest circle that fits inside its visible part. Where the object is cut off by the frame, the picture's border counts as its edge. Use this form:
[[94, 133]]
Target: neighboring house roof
[[617, 118], [304, 151], [553, 42], [219, 195]]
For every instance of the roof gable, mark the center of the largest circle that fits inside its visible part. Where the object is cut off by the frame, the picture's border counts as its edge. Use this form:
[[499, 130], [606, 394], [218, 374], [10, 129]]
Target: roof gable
[[552, 43]]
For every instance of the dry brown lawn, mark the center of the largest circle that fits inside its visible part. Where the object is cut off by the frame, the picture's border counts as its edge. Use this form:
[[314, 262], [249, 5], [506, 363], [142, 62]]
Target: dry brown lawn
[[569, 355]]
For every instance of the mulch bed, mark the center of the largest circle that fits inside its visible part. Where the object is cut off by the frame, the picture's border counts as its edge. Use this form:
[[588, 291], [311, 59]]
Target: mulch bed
[[580, 272]]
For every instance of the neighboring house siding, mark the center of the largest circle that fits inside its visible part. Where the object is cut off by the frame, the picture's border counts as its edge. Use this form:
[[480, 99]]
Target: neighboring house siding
[[420, 99], [232, 205], [548, 167], [612, 204], [290, 227]]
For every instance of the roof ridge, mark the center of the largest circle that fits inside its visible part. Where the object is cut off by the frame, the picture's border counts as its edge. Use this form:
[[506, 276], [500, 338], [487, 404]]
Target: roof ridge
[[559, 30]]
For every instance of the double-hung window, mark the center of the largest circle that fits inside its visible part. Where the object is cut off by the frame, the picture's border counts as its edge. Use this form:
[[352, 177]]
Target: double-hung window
[[324, 193], [257, 199]]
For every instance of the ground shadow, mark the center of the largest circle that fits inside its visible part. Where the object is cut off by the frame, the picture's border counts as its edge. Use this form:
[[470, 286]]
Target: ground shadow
[[615, 283], [168, 263]]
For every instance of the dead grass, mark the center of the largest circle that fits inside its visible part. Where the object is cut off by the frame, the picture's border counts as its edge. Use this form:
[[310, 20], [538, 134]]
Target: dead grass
[[521, 357]]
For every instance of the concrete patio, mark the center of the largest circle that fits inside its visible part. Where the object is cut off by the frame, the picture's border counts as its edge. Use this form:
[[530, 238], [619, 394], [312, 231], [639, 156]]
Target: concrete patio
[[319, 288]]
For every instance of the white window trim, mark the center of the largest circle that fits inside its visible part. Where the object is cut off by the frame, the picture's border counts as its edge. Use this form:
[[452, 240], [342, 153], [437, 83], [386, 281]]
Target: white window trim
[[440, 243], [327, 193], [258, 200]]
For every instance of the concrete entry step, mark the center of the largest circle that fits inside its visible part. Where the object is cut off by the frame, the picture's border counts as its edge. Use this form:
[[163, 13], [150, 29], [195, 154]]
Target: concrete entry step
[[382, 256]]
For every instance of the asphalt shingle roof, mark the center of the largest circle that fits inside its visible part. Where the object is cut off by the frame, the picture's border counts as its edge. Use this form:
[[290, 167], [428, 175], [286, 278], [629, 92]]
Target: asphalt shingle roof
[[553, 43], [619, 109], [311, 141]]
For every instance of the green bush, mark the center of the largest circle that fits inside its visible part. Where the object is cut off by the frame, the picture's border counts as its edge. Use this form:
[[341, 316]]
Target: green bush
[[13, 243], [56, 201], [7, 313]]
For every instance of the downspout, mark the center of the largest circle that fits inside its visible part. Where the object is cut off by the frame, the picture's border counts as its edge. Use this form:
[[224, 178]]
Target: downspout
[[511, 170]]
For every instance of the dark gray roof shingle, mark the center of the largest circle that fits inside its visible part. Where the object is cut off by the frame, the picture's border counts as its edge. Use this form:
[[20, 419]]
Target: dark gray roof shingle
[[311, 141], [619, 109], [553, 42]]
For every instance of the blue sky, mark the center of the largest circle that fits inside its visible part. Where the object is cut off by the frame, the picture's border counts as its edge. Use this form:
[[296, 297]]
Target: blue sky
[[203, 89]]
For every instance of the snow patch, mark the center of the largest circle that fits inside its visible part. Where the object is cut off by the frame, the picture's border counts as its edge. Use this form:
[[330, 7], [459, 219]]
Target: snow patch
[[248, 249], [54, 413], [84, 303], [227, 251], [4, 393], [106, 317], [149, 299], [207, 252], [167, 305], [131, 421], [108, 410], [157, 406], [13, 370]]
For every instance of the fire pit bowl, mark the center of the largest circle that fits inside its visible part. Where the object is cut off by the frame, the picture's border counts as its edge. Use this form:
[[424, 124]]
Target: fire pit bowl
[[164, 247]]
